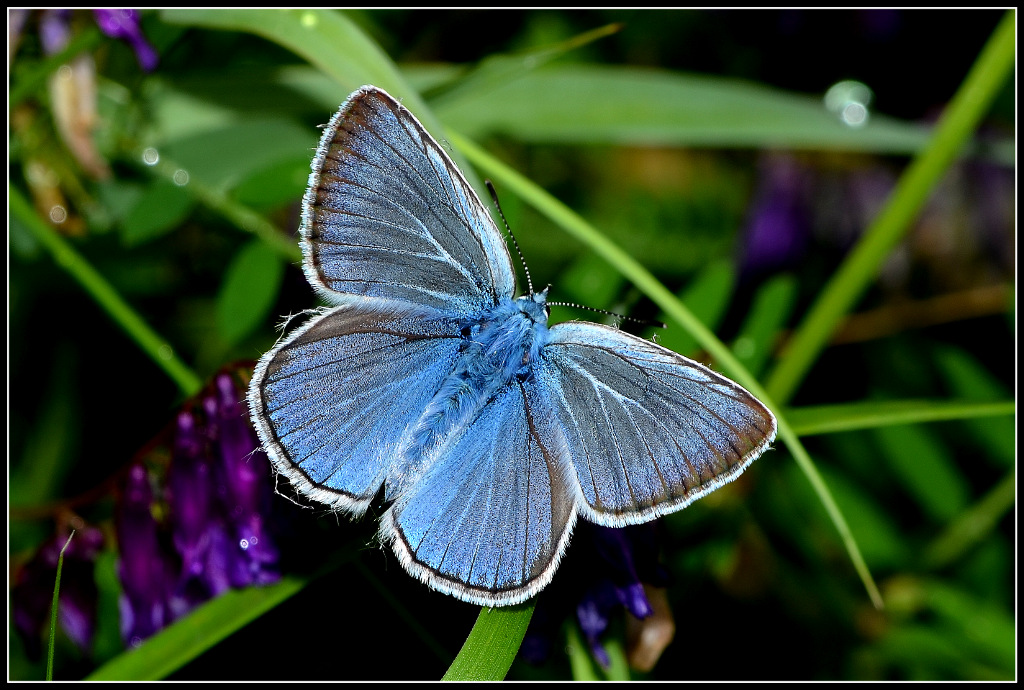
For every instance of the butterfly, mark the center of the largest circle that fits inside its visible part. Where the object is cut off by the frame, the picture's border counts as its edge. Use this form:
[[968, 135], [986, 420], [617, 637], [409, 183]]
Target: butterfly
[[489, 431]]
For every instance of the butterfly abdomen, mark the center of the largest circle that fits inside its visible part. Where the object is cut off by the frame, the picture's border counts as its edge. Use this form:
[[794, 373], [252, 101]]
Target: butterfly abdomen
[[496, 347]]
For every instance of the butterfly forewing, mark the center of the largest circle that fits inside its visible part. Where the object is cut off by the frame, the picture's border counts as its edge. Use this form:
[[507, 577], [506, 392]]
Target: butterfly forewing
[[334, 401], [388, 216], [647, 430]]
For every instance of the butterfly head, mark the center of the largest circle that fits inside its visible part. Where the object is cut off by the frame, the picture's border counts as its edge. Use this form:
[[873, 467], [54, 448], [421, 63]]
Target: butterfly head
[[535, 307]]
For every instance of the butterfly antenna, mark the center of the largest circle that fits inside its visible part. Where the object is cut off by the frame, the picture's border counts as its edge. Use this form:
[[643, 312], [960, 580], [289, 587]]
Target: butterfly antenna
[[494, 195], [643, 322]]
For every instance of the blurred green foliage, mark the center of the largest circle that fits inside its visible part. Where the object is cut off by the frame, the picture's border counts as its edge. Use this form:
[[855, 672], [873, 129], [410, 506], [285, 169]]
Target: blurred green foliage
[[658, 134]]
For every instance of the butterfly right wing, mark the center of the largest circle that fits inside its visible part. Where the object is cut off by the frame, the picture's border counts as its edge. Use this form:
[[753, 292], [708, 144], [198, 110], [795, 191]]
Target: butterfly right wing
[[646, 430], [388, 216], [333, 403]]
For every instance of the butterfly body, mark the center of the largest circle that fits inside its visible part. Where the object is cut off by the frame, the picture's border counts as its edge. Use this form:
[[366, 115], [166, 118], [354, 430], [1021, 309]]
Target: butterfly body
[[496, 346], [490, 431]]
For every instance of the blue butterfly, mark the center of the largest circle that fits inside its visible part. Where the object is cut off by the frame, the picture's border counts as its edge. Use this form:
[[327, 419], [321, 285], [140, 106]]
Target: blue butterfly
[[489, 431]]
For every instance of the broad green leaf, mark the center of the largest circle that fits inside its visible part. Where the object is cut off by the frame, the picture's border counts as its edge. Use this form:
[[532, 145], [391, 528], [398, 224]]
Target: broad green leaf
[[589, 281], [275, 185], [327, 39], [161, 208], [221, 158], [918, 652], [249, 290], [986, 628], [579, 103]]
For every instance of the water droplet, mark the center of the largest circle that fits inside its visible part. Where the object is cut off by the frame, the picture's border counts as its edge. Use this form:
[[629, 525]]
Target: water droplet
[[150, 156], [849, 100], [58, 214]]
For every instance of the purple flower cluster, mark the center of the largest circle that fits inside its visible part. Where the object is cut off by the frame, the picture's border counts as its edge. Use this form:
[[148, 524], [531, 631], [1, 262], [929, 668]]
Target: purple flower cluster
[[215, 535], [185, 532]]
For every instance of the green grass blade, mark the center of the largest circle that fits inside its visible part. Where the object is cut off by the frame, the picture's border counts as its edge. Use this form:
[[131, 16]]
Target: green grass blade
[[960, 119], [158, 349], [188, 637], [492, 644], [972, 525], [239, 215], [53, 609], [769, 313], [495, 71], [830, 419]]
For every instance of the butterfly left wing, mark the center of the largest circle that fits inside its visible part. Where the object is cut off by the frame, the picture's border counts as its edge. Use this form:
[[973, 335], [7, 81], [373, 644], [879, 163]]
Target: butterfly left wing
[[647, 431], [333, 402], [491, 518], [388, 217]]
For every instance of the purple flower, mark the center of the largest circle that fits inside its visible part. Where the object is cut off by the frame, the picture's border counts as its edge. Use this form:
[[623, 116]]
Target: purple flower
[[54, 30], [220, 493], [124, 24], [148, 569], [190, 495], [620, 588], [778, 224], [245, 487], [218, 496], [32, 592], [610, 571]]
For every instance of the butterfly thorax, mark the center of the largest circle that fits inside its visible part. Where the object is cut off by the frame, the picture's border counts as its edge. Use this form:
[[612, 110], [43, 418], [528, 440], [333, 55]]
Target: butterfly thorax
[[498, 347]]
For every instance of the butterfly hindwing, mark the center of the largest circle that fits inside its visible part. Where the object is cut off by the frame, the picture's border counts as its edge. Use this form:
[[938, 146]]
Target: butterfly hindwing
[[388, 216], [490, 520], [647, 430], [334, 401]]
